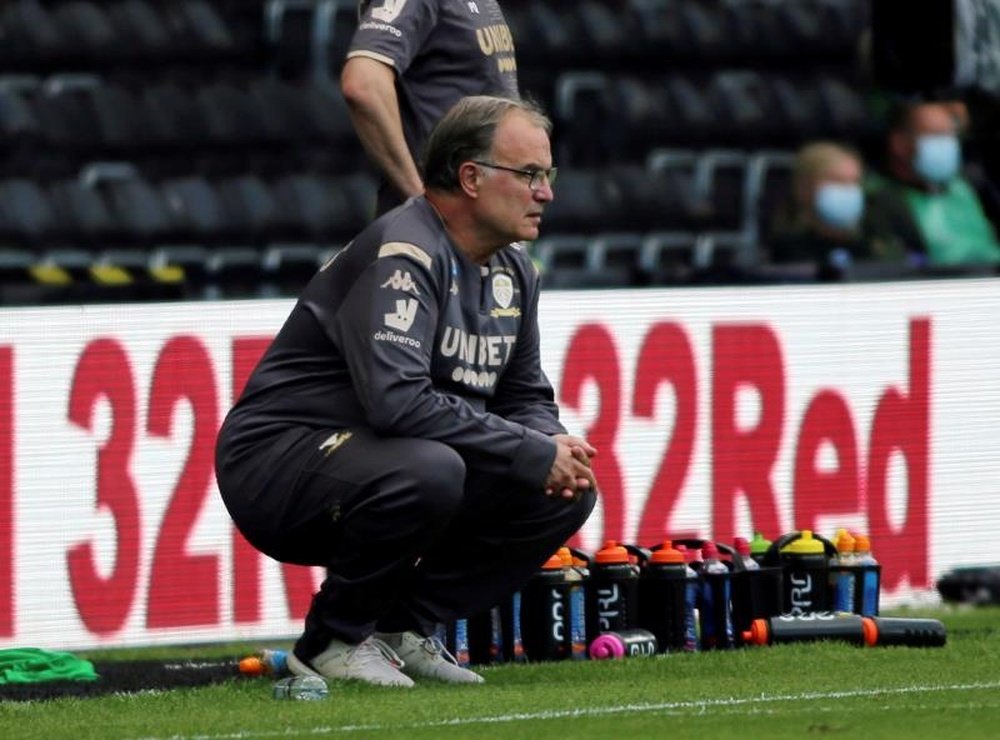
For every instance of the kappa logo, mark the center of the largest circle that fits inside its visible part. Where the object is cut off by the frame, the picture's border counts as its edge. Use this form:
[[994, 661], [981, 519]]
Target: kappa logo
[[334, 441], [389, 11], [401, 280], [402, 319]]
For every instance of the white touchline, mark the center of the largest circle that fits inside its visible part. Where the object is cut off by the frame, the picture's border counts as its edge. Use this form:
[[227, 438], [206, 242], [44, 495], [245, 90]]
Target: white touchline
[[598, 711]]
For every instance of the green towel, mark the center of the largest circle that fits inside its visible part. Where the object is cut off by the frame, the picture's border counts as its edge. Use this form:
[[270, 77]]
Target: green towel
[[33, 665]]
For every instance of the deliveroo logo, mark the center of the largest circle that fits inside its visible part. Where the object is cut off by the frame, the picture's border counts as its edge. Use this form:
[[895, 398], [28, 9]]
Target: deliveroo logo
[[402, 318]]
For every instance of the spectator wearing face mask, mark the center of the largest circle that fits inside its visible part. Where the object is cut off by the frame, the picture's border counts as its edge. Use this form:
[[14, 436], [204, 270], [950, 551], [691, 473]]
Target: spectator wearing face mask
[[818, 230], [921, 203]]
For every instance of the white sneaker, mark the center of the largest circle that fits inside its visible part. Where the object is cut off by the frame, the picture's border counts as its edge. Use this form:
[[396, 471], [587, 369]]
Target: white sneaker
[[426, 657], [371, 661]]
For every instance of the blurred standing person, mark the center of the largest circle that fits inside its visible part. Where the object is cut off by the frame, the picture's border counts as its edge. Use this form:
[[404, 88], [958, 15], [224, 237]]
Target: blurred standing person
[[819, 226], [921, 202], [407, 64]]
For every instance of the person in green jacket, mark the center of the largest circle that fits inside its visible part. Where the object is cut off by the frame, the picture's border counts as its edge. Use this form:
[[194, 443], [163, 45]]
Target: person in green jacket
[[921, 204]]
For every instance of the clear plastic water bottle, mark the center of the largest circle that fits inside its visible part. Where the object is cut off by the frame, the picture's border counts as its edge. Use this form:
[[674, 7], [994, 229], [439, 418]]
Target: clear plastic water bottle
[[301, 688], [870, 574], [842, 572], [742, 548]]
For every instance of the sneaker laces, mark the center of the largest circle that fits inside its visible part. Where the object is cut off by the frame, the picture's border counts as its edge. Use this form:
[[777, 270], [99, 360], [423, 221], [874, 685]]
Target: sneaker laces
[[378, 650], [434, 646]]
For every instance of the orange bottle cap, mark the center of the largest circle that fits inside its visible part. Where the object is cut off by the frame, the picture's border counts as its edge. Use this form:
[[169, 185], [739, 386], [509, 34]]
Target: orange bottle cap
[[553, 563], [666, 554], [757, 634], [611, 554], [870, 630], [252, 666]]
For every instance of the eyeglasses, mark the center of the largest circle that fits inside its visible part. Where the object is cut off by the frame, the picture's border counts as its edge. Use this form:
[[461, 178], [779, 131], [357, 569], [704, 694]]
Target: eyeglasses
[[535, 177]]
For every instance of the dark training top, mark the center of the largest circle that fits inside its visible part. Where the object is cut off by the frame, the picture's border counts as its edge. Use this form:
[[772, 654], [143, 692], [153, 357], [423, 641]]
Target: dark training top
[[442, 51], [403, 334]]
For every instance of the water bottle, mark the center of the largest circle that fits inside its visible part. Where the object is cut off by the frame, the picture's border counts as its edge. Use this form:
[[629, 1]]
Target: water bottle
[[301, 688], [759, 546], [454, 635], [715, 604], [664, 607], [870, 574], [265, 662], [743, 555], [692, 565], [806, 572], [625, 643], [510, 625], [576, 575], [843, 569], [612, 591], [852, 628], [544, 613], [756, 588], [486, 643]]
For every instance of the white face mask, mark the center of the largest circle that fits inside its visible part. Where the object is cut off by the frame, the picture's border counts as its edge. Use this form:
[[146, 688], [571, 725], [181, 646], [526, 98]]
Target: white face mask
[[938, 157], [838, 205]]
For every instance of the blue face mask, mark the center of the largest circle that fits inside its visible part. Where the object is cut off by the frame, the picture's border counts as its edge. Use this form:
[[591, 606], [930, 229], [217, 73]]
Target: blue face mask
[[839, 205], [938, 157]]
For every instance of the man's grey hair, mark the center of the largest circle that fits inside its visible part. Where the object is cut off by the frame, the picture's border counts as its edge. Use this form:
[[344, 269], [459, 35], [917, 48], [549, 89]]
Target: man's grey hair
[[466, 132]]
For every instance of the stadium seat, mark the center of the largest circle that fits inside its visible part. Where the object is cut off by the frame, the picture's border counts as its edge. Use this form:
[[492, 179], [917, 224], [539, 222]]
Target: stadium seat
[[249, 201], [721, 178], [581, 202], [85, 213], [770, 182], [141, 29], [66, 116], [333, 27], [87, 31], [32, 35], [616, 260], [135, 204], [28, 217], [198, 211], [189, 262], [235, 272], [668, 258], [288, 29], [286, 268], [564, 261], [319, 205]]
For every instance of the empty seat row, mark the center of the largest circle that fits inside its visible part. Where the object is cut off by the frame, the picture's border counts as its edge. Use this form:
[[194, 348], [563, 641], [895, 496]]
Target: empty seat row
[[603, 118], [614, 33], [113, 204], [167, 271], [85, 116], [78, 34], [628, 259]]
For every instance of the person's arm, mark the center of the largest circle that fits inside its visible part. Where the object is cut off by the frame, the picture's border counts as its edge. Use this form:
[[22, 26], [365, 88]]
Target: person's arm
[[369, 87]]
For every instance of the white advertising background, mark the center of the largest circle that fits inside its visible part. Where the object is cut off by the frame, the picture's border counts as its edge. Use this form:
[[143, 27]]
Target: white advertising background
[[850, 342]]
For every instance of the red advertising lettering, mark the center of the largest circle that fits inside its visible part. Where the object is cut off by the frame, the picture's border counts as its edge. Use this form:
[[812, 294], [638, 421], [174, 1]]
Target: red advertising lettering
[[902, 425], [666, 356], [822, 490], [184, 588], [103, 374], [744, 357], [299, 582], [6, 492], [593, 358]]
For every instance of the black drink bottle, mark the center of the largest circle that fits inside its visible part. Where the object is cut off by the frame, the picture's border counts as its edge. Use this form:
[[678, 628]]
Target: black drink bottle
[[664, 607], [612, 591], [806, 574], [545, 613]]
